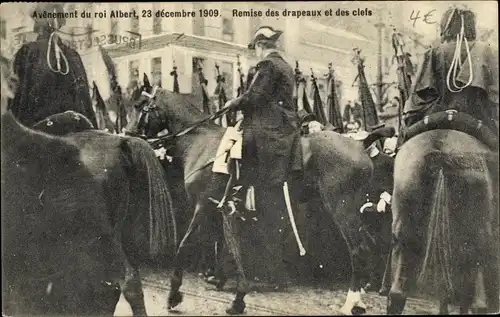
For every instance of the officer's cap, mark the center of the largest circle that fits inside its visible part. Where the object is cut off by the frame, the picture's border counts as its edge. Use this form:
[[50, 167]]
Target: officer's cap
[[264, 33], [305, 117]]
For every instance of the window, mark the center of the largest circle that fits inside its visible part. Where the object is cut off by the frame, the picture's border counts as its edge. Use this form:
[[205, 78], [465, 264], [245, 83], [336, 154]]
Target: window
[[114, 26], [198, 22], [89, 28], [133, 67], [156, 21], [156, 70], [134, 23], [227, 30], [195, 80], [226, 71], [255, 23], [3, 28]]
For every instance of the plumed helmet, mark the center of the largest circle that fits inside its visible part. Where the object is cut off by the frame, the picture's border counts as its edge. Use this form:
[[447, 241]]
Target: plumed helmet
[[45, 22], [264, 33]]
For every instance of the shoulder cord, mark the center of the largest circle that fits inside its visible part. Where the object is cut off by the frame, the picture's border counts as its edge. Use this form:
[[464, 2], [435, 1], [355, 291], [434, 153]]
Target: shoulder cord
[[457, 61], [57, 51]]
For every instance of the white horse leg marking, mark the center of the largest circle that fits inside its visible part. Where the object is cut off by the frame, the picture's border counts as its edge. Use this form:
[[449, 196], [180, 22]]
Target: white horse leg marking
[[49, 288], [353, 300]]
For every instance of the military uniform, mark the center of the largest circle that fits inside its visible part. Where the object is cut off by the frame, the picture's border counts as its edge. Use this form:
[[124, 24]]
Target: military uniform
[[431, 95], [271, 150], [42, 92]]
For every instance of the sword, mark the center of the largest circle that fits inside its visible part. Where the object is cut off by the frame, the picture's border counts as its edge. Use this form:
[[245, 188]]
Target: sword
[[292, 219]]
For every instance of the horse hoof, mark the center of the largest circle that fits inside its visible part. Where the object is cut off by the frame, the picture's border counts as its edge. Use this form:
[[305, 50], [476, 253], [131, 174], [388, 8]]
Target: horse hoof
[[383, 291], [219, 284], [356, 310], [395, 304], [237, 308], [212, 280], [174, 299]]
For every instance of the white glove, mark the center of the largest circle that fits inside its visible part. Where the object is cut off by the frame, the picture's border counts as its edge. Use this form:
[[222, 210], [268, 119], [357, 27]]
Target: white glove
[[385, 199], [381, 205], [161, 153]]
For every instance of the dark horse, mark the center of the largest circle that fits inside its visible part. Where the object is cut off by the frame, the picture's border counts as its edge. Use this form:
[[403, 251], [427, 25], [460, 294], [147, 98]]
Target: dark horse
[[60, 253], [137, 198], [133, 183], [340, 168], [456, 230]]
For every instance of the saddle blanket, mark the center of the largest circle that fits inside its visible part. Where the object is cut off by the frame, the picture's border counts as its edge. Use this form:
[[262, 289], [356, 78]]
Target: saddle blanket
[[230, 147]]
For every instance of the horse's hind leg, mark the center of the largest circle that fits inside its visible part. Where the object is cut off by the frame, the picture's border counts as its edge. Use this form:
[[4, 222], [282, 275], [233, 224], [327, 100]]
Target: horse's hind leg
[[492, 284], [181, 258], [404, 243], [132, 289], [467, 290]]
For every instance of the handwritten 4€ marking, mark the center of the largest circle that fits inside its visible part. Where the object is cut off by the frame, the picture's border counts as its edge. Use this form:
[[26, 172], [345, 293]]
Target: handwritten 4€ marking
[[426, 17]]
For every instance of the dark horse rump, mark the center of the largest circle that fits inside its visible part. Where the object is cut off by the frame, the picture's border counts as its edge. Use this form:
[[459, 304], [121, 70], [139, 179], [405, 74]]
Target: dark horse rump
[[60, 254], [137, 199], [445, 219], [119, 161]]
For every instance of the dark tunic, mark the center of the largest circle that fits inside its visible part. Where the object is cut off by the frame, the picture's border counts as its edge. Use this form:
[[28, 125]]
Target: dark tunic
[[353, 111], [430, 93], [42, 92], [271, 129]]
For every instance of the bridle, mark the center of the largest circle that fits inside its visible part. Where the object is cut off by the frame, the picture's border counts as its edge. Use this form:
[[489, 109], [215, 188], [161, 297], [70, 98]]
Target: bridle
[[152, 107], [145, 111]]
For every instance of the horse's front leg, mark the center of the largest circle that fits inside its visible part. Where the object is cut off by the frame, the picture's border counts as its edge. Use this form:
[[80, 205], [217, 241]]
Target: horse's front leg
[[354, 304], [182, 256], [349, 224]]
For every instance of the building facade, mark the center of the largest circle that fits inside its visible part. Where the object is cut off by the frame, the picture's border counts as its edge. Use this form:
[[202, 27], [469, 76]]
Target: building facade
[[153, 44]]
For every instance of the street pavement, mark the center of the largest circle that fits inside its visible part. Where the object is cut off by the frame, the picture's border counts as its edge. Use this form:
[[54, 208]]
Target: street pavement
[[202, 299]]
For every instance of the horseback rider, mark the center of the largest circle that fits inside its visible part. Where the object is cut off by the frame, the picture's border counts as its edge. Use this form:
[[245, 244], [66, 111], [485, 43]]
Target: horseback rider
[[459, 73], [51, 75], [271, 136]]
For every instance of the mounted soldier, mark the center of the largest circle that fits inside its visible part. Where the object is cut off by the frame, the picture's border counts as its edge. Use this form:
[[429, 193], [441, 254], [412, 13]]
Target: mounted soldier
[[51, 75], [457, 76], [271, 136], [445, 173]]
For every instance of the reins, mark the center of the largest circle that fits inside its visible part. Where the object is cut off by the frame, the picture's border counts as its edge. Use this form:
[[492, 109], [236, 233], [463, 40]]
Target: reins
[[214, 116], [158, 141]]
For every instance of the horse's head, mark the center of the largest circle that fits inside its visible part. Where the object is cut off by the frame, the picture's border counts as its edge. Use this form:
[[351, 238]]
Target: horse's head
[[146, 118]]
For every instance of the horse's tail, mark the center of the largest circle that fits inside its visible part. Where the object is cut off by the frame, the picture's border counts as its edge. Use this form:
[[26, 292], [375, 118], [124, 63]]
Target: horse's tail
[[442, 254], [437, 266], [150, 192]]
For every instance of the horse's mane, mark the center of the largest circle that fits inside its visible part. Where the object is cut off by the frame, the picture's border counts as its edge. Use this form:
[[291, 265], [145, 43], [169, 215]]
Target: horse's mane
[[182, 106]]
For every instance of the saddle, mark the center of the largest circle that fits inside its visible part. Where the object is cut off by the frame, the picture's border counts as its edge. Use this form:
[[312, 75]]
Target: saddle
[[64, 123], [454, 120]]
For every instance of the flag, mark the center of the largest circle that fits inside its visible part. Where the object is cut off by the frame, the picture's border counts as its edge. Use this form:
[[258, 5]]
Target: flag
[[205, 96], [404, 72], [176, 79], [221, 97], [319, 110], [299, 92], [116, 97], [332, 102], [370, 116]]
